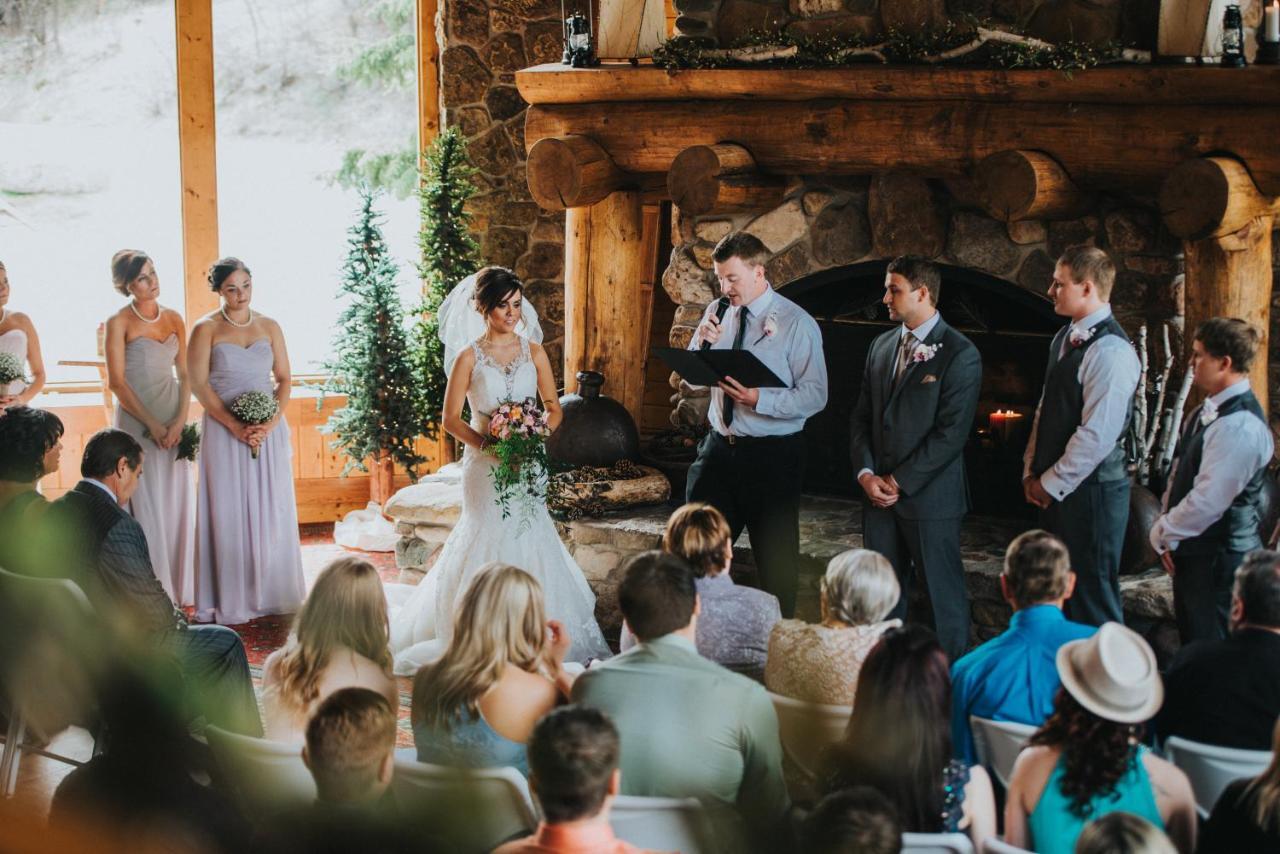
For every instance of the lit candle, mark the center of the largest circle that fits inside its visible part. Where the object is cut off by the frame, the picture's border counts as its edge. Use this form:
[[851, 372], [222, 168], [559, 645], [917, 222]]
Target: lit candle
[[1272, 27], [1003, 422]]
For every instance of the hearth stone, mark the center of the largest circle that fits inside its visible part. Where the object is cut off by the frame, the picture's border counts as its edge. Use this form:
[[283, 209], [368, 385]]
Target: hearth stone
[[828, 526]]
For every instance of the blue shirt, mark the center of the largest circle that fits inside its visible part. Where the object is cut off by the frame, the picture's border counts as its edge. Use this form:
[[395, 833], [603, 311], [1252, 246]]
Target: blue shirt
[[1013, 676], [787, 339]]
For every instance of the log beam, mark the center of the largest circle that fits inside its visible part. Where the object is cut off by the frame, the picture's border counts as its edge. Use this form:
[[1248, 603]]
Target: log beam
[[1212, 197], [720, 178], [1019, 185], [571, 171], [605, 320], [197, 153]]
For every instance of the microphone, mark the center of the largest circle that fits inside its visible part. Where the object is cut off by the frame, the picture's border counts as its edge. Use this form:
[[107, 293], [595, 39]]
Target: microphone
[[722, 307]]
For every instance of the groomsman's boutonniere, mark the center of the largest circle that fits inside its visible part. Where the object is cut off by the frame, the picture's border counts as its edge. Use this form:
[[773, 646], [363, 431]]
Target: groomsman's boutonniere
[[1078, 338], [1208, 413], [770, 326], [925, 352]]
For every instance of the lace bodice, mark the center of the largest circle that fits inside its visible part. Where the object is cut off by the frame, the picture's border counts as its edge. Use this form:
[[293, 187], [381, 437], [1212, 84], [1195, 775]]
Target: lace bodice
[[492, 383]]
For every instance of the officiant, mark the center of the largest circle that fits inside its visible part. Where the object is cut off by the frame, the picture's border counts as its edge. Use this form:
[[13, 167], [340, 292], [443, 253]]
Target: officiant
[[751, 466]]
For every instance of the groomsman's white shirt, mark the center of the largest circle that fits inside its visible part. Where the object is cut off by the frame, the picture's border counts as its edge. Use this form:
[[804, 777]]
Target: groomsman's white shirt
[[1235, 447], [1109, 373], [793, 351]]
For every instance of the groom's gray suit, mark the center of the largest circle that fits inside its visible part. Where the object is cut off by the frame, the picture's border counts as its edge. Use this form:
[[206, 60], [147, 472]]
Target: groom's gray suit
[[915, 429]]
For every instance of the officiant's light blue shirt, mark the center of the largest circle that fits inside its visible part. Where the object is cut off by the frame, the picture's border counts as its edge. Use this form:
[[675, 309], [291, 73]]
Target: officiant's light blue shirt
[[793, 351]]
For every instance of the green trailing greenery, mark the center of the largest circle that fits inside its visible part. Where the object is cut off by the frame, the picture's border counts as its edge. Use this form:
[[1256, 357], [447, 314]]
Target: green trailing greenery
[[372, 362], [448, 254], [393, 171], [897, 46]]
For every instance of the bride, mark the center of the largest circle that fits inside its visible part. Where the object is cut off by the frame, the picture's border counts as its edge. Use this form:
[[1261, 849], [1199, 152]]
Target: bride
[[492, 354]]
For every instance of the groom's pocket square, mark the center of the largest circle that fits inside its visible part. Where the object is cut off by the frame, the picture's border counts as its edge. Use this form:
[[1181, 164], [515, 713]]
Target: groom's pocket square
[[929, 378]]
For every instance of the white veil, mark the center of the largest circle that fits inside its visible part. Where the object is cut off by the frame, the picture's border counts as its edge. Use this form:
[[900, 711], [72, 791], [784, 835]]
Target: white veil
[[460, 324]]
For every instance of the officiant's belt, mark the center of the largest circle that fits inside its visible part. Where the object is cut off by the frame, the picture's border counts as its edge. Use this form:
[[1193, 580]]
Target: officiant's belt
[[755, 440]]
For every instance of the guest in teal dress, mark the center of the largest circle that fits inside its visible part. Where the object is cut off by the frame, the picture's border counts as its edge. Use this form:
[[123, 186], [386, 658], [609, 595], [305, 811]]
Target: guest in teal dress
[[1087, 760], [503, 670]]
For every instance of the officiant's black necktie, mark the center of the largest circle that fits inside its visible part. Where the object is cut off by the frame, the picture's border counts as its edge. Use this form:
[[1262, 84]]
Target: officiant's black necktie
[[726, 409]]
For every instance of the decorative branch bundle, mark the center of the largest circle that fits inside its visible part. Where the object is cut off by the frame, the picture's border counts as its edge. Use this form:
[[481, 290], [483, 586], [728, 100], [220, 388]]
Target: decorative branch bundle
[[1156, 429]]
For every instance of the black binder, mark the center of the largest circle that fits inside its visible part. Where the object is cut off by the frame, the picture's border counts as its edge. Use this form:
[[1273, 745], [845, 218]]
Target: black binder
[[709, 367]]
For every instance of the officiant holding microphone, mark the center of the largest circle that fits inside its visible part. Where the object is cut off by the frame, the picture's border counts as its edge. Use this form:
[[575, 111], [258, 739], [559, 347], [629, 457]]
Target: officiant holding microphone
[[751, 465]]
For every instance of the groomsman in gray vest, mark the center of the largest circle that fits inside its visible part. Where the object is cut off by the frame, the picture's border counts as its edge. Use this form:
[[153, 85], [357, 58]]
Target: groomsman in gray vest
[[1075, 467], [914, 414], [1213, 504], [750, 466]]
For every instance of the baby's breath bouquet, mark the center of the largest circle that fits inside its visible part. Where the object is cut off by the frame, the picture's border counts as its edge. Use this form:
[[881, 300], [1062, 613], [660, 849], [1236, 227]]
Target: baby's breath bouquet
[[11, 368], [255, 407], [519, 430]]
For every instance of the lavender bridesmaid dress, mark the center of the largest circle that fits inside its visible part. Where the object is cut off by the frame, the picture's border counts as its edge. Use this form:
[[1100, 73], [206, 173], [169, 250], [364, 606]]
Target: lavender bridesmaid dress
[[165, 502], [248, 557]]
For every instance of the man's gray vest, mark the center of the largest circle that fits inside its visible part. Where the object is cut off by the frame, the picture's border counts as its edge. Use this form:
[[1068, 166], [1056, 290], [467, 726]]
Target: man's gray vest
[[1237, 530], [1062, 406]]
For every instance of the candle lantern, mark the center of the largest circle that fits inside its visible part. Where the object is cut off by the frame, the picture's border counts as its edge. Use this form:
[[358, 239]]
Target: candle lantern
[[578, 49], [1233, 38], [1269, 43]]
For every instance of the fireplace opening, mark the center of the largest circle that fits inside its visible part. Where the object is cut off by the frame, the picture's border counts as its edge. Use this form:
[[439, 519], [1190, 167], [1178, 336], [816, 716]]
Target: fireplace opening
[[1010, 326]]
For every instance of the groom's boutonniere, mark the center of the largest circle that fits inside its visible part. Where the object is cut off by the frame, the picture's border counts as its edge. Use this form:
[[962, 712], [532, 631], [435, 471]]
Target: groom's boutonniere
[[770, 326], [1079, 338], [1208, 413], [925, 352]]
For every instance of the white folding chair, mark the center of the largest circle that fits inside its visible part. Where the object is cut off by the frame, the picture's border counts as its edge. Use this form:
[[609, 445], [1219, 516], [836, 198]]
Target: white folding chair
[[661, 824], [265, 776], [998, 744], [993, 845], [936, 843], [1210, 768], [44, 671], [808, 729], [470, 809]]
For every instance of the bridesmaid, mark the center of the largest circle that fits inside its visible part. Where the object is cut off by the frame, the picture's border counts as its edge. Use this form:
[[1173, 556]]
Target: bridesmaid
[[18, 336], [146, 349], [248, 557]]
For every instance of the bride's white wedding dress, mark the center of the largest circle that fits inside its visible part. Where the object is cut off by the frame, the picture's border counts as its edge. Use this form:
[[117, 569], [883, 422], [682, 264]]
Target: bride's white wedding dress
[[422, 616]]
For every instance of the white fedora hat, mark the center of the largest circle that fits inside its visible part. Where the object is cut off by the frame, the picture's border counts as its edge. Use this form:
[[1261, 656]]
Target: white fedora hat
[[1113, 674]]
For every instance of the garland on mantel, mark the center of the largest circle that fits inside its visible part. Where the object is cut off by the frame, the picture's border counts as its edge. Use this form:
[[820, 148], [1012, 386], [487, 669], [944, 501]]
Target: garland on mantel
[[967, 43]]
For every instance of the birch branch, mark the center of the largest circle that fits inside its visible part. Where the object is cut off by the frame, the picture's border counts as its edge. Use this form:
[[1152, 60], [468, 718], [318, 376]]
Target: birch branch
[[1140, 406], [762, 53], [1160, 389], [985, 35], [1169, 443]]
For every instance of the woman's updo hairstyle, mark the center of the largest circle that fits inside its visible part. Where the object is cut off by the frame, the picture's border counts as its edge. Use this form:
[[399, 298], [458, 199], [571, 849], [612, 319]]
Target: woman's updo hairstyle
[[493, 285], [126, 265], [222, 268]]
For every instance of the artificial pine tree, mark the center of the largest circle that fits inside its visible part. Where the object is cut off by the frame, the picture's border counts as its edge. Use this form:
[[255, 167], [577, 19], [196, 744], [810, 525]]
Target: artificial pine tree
[[372, 363], [448, 255]]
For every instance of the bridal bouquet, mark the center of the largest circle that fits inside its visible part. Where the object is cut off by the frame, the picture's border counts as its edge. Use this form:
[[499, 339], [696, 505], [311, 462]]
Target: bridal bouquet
[[255, 407], [519, 430], [11, 368]]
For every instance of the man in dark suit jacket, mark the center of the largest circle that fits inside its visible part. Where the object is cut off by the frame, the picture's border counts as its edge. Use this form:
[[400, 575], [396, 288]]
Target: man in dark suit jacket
[[914, 414], [105, 550], [1227, 692]]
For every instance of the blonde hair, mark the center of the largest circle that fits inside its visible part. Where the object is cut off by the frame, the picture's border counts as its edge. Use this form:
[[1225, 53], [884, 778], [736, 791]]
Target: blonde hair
[[1123, 833], [1092, 263], [501, 622], [697, 532], [346, 608], [860, 587], [1266, 788]]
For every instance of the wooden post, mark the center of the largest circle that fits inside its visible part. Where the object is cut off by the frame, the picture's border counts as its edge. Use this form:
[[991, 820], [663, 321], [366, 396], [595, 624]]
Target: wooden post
[[428, 57], [570, 172], [381, 479], [197, 150], [1018, 185], [604, 312], [720, 178]]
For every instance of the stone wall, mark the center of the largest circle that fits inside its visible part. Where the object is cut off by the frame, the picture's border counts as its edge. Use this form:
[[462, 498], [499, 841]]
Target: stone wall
[[485, 43]]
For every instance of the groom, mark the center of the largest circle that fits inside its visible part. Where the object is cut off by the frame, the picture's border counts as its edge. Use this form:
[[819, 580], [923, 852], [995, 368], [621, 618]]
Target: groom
[[914, 414], [751, 465]]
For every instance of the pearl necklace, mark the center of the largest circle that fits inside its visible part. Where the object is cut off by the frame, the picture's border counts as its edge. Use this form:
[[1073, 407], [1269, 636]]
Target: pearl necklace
[[223, 312], [134, 306]]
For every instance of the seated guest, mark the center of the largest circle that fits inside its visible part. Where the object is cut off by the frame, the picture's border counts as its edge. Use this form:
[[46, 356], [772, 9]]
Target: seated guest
[[339, 640], [30, 448], [1227, 692], [1247, 814], [898, 741], [1087, 760], [1123, 833], [573, 763], [859, 820], [350, 751], [1012, 677], [106, 549], [689, 727], [504, 669], [733, 629], [819, 662]]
